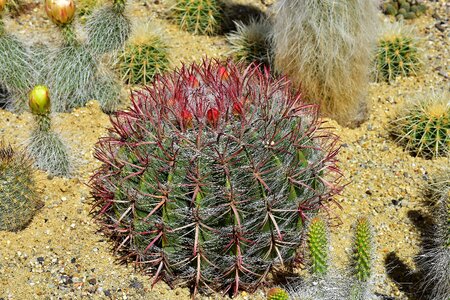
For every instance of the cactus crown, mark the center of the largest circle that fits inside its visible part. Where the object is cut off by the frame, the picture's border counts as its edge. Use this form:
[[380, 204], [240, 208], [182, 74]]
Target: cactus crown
[[207, 179], [318, 246], [363, 250], [423, 127], [144, 56]]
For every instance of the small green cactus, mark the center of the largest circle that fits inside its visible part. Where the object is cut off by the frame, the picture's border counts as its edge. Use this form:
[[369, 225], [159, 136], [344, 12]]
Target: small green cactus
[[251, 42], [277, 294], [423, 128], [318, 246], [397, 53], [198, 16], [18, 194], [363, 250], [404, 9], [144, 56], [45, 146]]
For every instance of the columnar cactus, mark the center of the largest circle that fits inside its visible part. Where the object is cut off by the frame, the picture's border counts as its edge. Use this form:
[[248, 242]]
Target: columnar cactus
[[325, 47], [108, 28], [318, 245], [423, 127], [435, 259], [210, 175], [397, 53], [18, 194], [45, 146], [144, 56], [251, 42], [198, 16]]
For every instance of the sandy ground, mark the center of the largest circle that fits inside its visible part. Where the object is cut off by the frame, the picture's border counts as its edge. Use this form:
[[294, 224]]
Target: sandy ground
[[60, 255]]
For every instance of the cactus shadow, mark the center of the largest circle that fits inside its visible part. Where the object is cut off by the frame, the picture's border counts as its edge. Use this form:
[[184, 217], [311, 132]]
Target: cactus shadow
[[408, 280], [233, 12]]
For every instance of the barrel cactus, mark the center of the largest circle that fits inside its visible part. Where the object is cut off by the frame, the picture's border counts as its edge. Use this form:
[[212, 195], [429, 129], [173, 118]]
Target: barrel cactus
[[208, 178], [18, 193], [423, 127], [397, 53]]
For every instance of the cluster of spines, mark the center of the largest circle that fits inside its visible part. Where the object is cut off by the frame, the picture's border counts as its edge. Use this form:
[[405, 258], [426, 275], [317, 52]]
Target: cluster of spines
[[423, 127], [397, 53], [198, 16], [18, 193], [404, 9], [214, 207], [250, 42]]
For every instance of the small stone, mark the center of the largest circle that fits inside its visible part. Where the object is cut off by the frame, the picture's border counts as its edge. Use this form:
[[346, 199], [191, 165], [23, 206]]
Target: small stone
[[107, 293], [92, 281], [40, 260]]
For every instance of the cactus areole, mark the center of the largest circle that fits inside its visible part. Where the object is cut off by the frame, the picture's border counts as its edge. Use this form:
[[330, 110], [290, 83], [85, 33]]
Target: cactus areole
[[39, 100], [61, 12], [208, 178]]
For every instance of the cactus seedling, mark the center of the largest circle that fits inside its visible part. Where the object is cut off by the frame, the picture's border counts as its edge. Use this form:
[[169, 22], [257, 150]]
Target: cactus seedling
[[251, 42], [423, 128], [198, 16], [318, 246], [45, 146], [277, 294], [144, 56], [108, 28], [217, 167], [397, 53], [318, 43], [18, 195]]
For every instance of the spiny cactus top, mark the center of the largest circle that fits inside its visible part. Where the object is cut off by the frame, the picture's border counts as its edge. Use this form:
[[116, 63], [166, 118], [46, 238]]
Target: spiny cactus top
[[208, 178]]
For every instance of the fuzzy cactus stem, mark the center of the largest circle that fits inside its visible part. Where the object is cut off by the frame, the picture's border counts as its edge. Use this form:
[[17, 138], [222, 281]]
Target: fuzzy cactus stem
[[119, 5], [70, 38]]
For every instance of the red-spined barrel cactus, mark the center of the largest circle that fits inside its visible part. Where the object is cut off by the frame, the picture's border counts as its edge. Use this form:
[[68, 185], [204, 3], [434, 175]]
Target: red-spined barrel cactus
[[207, 180]]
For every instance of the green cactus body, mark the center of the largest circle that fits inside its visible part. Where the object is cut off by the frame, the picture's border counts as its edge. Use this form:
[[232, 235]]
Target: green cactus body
[[18, 196], [210, 188], [198, 16], [397, 54], [363, 250], [318, 246], [277, 294], [423, 128], [140, 62]]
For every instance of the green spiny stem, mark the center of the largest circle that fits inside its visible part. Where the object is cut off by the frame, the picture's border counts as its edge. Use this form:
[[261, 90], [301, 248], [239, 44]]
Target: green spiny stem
[[68, 32], [44, 122], [318, 246], [363, 250]]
